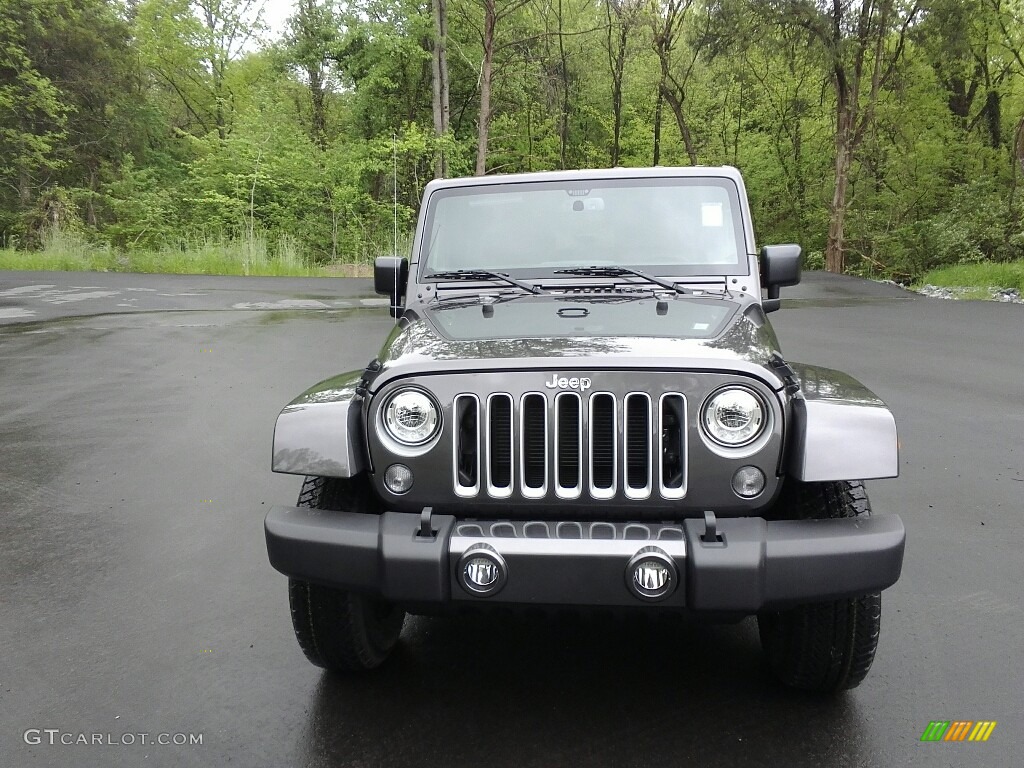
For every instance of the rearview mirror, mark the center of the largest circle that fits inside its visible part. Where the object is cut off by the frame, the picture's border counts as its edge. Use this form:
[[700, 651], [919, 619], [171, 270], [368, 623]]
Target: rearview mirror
[[780, 266], [390, 275]]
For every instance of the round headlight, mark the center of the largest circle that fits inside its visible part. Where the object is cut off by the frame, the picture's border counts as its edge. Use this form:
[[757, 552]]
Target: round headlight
[[411, 417], [734, 417]]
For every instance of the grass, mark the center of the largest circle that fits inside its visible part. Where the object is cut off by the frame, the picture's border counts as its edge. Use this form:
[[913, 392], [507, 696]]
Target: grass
[[253, 255], [980, 276], [250, 255]]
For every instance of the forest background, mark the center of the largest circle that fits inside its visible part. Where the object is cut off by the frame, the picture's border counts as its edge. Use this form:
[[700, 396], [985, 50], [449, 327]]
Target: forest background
[[886, 137]]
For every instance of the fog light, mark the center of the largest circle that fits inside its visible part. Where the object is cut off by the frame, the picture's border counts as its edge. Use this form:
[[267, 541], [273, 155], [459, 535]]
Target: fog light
[[651, 574], [481, 571], [748, 482], [398, 479]]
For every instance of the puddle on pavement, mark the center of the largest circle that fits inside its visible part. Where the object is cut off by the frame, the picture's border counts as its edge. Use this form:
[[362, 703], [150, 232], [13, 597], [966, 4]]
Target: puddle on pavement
[[843, 302], [182, 319], [331, 315]]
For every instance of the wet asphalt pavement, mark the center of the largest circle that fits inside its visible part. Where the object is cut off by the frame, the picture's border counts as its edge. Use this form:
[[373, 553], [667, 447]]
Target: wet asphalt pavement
[[136, 414]]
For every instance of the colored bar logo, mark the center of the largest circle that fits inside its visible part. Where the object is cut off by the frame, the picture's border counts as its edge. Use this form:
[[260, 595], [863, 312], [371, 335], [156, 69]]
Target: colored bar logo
[[958, 730]]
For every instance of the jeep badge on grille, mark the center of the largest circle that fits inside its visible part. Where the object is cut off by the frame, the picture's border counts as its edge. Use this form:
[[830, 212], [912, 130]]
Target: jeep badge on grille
[[582, 384]]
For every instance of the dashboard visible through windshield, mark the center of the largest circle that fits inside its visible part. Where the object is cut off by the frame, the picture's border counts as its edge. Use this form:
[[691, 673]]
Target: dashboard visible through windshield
[[676, 226]]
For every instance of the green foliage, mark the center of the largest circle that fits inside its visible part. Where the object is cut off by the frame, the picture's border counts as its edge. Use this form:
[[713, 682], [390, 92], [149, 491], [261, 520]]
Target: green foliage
[[978, 226], [33, 116], [161, 134]]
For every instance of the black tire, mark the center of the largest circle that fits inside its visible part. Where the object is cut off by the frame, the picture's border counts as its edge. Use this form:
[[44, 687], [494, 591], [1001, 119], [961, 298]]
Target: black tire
[[823, 647], [339, 630]]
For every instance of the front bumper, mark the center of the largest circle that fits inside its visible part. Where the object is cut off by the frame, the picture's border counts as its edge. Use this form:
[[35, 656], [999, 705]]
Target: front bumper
[[756, 565]]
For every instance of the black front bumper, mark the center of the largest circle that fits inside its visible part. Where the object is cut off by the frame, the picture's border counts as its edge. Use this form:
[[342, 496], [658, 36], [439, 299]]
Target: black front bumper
[[757, 564]]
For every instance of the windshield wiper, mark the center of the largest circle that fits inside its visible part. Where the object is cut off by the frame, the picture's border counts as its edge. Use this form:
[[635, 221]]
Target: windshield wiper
[[622, 272], [480, 274]]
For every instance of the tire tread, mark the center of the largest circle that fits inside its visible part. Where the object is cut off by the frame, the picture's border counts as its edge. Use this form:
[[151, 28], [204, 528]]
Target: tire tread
[[336, 629], [824, 647]]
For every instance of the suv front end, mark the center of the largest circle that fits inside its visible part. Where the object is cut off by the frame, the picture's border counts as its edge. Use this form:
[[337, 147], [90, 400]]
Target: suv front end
[[558, 429]]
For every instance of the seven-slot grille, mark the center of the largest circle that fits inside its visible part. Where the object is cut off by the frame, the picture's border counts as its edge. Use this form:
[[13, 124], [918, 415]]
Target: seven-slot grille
[[570, 445]]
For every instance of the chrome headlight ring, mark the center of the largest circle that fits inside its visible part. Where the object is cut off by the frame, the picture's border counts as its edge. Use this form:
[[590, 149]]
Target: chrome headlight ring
[[411, 417], [734, 416]]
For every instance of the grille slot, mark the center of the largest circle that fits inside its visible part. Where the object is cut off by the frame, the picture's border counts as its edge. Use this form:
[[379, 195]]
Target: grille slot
[[467, 445], [602, 446], [534, 445], [499, 445], [568, 445], [637, 415], [672, 435]]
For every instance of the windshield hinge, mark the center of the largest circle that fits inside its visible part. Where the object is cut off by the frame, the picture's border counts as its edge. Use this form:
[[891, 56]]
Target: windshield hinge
[[785, 372]]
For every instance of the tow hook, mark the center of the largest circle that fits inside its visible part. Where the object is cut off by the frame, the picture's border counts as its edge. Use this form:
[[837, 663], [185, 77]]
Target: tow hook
[[426, 530], [711, 537]]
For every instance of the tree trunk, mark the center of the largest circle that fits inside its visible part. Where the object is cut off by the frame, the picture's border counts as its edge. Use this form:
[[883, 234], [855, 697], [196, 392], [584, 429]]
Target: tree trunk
[[994, 119], [446, 109], [1018, 144], [618, 66], [835, 260], [435, 103], [218, 92], [486, 73], [666, 35], [529, 136], [318, 116], [24, 188], [306, 12], [657, 129], [90, 206], [222, 131], [334, 228], [563, 127], [1017, 154], [798, 140], [676, 103], [439, 71]]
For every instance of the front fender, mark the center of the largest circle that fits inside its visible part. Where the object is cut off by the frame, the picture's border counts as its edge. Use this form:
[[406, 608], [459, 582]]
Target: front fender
[[841, 430], [320, 431]]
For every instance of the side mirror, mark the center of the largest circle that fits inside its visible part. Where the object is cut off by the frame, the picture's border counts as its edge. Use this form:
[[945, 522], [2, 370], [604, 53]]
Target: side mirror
[[390, 275], [780, 265]]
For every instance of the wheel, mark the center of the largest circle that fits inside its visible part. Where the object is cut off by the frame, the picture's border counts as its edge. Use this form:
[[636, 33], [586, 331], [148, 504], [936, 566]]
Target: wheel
[[339, 630], [823, 647]]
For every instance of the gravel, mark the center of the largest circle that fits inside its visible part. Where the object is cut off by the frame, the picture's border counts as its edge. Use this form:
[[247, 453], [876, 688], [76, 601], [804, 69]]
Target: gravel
[[1008, 295]]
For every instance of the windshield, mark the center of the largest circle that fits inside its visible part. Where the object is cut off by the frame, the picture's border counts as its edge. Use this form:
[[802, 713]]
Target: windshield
[[665, 226]]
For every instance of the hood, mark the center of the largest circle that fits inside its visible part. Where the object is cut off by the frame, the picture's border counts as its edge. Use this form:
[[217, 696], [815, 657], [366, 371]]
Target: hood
[[601, 331]]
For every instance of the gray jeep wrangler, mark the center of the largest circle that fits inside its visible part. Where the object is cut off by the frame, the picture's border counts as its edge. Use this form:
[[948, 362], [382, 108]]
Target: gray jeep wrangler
[[582, 403]]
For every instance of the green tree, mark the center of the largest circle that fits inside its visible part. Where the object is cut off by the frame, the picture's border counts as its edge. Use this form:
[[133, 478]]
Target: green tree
[[623, 16], [863, 44], [190, 45], [33, 115], [311, 41]]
